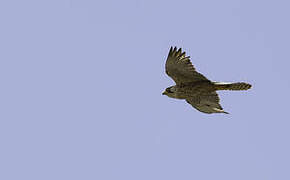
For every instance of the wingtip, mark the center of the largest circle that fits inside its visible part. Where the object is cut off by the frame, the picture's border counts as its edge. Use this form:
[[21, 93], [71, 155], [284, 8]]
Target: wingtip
[[226, 112], [170, 50], [178, 52], [182, 54]]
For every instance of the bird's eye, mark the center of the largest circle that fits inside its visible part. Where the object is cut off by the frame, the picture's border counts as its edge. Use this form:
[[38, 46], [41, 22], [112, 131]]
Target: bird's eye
[[169, 90]]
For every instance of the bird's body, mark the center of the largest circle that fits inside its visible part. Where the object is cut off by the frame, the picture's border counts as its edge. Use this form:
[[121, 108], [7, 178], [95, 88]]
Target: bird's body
[[192, 86], [191, 89]]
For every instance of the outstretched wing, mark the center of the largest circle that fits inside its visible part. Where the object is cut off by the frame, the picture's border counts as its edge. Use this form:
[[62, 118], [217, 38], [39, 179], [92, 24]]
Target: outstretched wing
[[207, 103], [180, 69]]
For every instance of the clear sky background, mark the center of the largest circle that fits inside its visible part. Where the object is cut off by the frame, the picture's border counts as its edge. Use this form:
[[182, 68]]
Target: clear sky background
[[81, 85]]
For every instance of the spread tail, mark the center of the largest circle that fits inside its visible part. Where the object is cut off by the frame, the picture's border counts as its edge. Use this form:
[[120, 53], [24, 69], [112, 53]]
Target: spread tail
[[232, 86]]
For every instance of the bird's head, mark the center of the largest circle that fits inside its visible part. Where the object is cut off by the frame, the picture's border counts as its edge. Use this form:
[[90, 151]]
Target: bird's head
[[169, 91]]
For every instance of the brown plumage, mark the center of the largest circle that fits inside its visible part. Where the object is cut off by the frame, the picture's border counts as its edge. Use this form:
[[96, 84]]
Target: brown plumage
[[194, 87]]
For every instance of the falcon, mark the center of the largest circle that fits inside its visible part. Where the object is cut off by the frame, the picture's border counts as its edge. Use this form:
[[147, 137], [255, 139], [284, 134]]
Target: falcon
[[194, 87]]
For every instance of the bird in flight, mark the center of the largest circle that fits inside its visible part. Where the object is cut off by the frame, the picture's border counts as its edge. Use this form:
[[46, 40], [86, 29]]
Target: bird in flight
[[194, 87]]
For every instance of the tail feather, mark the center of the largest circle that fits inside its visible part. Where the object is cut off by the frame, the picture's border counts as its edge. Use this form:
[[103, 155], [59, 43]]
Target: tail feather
[[232, 86]]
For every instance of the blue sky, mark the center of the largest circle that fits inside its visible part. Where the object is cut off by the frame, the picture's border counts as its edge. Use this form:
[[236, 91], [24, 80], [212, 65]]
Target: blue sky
[[81, 85]]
